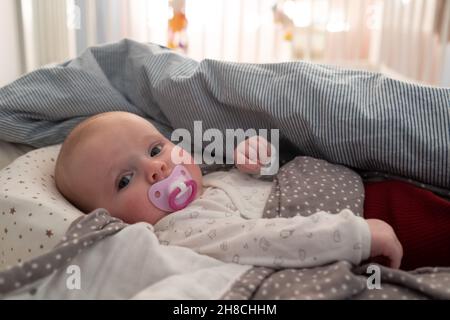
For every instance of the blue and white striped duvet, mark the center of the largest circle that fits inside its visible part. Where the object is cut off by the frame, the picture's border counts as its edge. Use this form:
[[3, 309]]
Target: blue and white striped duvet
[[360, 119]]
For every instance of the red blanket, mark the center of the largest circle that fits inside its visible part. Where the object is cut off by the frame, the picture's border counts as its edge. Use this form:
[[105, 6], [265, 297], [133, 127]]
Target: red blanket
[[420, 219]]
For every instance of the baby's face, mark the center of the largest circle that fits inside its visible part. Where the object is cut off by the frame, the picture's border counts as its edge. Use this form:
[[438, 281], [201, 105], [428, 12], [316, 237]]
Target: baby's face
[[116, 167]]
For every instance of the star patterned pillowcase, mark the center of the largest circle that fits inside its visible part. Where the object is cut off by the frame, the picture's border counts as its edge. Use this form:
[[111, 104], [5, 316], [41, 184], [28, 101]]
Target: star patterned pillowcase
[[33, 215]]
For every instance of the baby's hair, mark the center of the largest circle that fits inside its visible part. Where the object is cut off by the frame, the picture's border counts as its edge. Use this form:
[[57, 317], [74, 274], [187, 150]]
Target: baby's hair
[[76, 136], [79, 135]]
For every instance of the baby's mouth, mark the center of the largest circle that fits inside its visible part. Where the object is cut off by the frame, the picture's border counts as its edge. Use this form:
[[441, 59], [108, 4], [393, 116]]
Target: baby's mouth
[[174, 192]]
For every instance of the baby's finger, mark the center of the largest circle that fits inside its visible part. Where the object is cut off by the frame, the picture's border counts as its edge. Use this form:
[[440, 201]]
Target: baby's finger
[[395, 263], [239, 155], [252, 154], [252, 144], [249, 168], [396, 256], [245, 154], [264, 152]]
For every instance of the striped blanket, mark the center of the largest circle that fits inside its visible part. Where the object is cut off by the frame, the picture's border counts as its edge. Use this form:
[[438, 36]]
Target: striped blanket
[[360, 119]]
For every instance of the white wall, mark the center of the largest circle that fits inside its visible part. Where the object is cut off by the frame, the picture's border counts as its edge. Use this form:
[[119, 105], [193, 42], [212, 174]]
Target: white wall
[[11, 65]]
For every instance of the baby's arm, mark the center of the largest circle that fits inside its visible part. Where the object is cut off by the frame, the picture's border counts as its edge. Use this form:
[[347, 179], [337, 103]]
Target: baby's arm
[[281, 242]]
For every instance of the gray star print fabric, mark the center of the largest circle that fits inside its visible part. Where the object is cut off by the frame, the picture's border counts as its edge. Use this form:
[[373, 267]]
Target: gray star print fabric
[[82, 234], [307, 185], [340, 281]]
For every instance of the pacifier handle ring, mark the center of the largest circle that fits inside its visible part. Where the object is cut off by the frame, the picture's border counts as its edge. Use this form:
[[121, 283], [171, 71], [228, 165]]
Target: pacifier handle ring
[[174, 194]]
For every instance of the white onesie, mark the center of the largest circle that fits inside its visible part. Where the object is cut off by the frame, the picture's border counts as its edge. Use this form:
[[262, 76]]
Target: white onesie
[[226, 223]]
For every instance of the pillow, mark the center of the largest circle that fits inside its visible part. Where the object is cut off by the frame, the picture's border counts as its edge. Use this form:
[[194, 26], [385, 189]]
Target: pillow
[[34, 216], [10, 151]]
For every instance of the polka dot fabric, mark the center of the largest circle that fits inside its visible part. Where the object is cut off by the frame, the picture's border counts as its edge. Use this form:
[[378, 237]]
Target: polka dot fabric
[[82, 234], [306, 185], [340, 281], [34, 215]]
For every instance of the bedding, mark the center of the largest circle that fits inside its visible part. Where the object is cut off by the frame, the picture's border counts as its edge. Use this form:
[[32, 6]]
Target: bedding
[[11, 151], [97, 245], [34, 215], [306, 185], [97, 250], [360, 119]]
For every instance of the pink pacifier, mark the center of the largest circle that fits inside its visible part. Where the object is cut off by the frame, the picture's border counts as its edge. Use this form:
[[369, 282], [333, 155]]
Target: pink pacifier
[[174, 192]]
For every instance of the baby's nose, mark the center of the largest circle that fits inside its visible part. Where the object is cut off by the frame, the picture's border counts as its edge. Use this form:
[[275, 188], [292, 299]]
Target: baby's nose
[[157, 172], [155, 177]]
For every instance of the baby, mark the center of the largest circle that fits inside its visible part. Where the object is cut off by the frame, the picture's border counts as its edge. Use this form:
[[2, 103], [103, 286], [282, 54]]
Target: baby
[[120, 162]]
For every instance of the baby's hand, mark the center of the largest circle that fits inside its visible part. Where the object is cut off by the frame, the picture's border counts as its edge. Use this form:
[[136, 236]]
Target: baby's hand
[[251, 154], [385, 243]]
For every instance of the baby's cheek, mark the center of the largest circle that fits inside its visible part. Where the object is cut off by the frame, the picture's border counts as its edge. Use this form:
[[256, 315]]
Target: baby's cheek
[[196, 172], [180, 156], [135, 209]]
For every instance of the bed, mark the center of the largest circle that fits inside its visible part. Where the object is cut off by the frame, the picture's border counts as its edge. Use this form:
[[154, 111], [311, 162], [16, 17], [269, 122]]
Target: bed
[[363, 120]]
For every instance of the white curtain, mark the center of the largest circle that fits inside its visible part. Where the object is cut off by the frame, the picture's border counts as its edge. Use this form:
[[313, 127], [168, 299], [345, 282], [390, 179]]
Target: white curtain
[[45, 34], [415, 40], [407, 38]]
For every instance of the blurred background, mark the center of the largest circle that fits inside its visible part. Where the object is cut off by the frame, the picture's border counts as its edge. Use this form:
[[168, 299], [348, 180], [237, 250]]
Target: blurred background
[[406, 39]]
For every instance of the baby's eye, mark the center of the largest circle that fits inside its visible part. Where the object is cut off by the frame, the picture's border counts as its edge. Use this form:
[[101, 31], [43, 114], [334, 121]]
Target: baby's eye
[[124, 181], [155, 150]]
